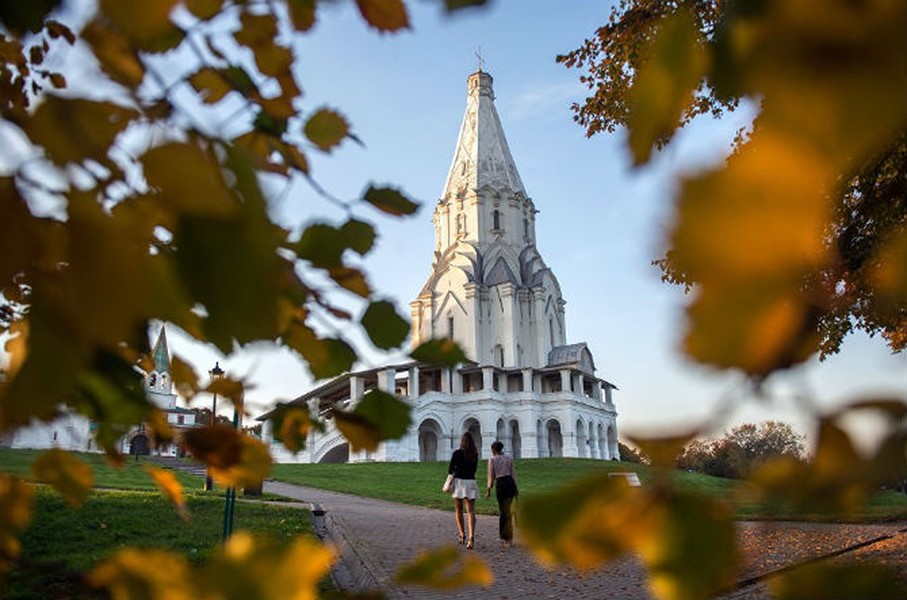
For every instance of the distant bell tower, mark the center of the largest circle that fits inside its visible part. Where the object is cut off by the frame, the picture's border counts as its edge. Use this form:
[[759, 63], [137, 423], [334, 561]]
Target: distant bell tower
[[489, 288], [158, 383]]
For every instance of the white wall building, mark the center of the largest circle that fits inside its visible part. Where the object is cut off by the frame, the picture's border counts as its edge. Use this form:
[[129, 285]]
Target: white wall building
[[490, 291]]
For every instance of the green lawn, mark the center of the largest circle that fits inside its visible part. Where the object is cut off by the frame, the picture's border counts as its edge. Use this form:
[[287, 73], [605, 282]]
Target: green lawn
[[130, 476], [420, 484], [63, 543]]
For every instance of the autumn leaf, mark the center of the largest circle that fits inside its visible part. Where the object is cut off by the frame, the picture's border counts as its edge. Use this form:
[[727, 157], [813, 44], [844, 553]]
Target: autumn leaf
[[352, 279], [302, 13], [326, 129], [75, 129], [234, 459], [146, 573], [171, 488], [188, 179], [384, 15], [204, 9], [16, 499], [377, 417], [664, 85], [291, 426], [445, 568], [71, 477], [150, 28], [390, 201], [210, 85]]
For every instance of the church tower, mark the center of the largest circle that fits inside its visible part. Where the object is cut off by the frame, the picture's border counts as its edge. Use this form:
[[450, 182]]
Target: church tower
[[158, 384], [489, 288]]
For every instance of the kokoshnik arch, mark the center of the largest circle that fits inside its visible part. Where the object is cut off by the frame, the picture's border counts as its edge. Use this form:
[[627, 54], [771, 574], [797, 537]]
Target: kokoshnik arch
[[490, 291]]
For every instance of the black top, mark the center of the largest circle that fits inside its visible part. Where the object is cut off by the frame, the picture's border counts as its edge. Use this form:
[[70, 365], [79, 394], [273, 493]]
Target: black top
[[461, 467]]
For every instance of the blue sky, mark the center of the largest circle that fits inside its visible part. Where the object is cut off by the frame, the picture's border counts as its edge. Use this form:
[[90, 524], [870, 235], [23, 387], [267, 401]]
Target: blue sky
[[600, 225]]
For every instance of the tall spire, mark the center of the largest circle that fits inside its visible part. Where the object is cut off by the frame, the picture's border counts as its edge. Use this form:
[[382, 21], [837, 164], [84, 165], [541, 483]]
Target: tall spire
[[482, 157], [161, 353]]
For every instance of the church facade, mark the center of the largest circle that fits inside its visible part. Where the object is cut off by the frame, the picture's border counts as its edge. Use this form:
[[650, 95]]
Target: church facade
[[490, 291]]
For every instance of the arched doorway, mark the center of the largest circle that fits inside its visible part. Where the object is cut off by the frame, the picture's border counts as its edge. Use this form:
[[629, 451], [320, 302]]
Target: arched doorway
[[138, 445], [337, 454], [580, 439], [555, 439], [516, 444], [430, 434], [613, 450], [602, 449], [541, 439], [472, 426], [593, 448]]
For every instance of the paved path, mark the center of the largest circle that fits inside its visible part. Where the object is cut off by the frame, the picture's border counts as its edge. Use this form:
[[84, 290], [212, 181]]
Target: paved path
[[375, 537]]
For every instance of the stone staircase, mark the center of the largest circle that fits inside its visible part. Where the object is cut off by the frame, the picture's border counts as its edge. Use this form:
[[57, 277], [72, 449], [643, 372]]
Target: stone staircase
[[178, 464]]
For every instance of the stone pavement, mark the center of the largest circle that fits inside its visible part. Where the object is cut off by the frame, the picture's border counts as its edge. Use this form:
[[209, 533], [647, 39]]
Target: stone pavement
[[375, 537]]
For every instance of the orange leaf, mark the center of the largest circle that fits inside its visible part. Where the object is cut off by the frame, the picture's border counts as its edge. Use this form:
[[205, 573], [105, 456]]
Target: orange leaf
[[171, 488], [68, 475]]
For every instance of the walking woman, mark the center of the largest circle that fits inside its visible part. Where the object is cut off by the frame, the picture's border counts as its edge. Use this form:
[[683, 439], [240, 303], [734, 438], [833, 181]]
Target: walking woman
[[502, 476], [463, 464]]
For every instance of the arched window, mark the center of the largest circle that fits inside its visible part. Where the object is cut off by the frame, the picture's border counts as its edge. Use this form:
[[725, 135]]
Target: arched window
[[499, 355], [526, 227], [152, 380], [496, 219], [450, 327]]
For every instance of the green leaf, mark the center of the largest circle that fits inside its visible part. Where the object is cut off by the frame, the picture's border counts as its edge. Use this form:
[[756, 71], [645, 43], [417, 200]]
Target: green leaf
[[377, 417], [358, 235], [322, 245], [325, 357], [390, 201], [383, 325], [442, 351], [326, 129], [71, 477], [455, 5]]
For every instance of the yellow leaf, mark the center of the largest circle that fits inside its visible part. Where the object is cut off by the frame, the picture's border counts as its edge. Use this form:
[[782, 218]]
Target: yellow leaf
[[265, 571], [273, 60], [148, 574], [445, 568], [227, 387], [384, 15], [360, 432], [663, 451], [829, 580], [326, 128], [16, 498], [171, 488], [184, 378], [764, 215], [117, 58], [351, 279], [71, 477]]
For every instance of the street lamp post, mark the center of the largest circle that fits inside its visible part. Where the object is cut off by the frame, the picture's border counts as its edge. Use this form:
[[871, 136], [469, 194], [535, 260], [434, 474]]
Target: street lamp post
[[215, 373]]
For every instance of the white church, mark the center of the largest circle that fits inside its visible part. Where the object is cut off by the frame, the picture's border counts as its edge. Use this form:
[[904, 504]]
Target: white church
[[72, 431], [491, 292]]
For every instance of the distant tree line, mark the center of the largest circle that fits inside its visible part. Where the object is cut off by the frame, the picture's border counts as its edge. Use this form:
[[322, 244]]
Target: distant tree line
[[742, 449]]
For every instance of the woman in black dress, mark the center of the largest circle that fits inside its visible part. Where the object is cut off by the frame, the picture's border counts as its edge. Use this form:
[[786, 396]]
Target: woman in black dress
[[502, 476], [463, 464]]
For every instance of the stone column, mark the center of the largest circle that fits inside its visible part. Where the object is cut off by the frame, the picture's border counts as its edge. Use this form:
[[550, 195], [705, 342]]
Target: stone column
[[456, 380], [387, 380], [487, 379], [357, 389], [527, 380], [414, 382], [445, 380], [565, 380]]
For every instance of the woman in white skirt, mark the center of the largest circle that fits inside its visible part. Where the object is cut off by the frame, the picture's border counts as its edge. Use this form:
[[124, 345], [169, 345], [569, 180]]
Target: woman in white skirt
[[463, 464]]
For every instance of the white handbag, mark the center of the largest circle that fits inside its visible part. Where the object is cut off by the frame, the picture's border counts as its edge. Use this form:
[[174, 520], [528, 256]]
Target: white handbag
[[448, 484]]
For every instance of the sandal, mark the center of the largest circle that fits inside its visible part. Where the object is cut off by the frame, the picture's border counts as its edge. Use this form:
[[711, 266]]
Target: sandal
[[460, 539], [470, 544]]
